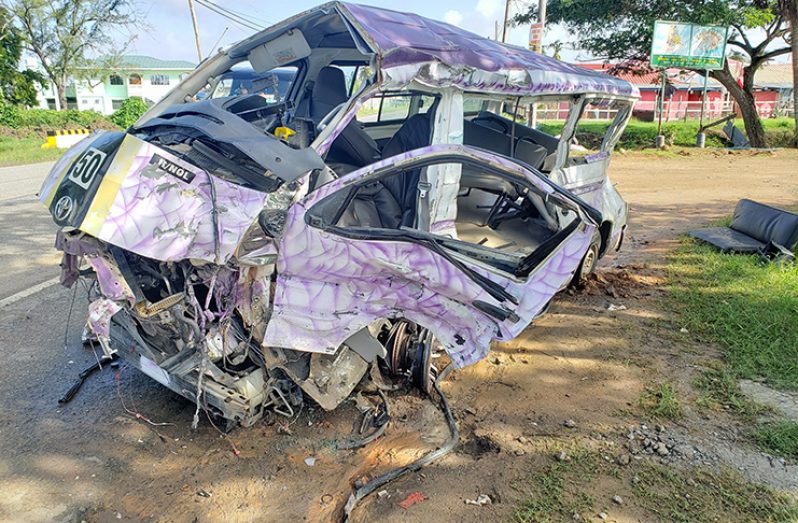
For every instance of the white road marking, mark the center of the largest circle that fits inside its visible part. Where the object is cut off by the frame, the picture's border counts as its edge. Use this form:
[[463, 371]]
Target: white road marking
[[27, 292]]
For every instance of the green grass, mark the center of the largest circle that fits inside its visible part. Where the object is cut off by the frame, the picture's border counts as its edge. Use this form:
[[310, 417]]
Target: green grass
[[19, 151], [651, 492], [720, 387], [553, 494], [749, 309], [779, 438], [661, 401], [713, 496]]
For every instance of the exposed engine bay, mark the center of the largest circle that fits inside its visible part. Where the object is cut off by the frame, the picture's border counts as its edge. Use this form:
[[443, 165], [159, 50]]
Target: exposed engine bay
[[198, 329]]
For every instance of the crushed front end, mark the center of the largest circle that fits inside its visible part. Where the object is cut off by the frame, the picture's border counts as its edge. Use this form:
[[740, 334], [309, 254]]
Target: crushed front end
[[180, 267]]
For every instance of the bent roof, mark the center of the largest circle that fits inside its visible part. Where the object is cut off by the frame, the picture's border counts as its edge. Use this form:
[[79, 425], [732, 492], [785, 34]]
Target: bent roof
[[404, 39]]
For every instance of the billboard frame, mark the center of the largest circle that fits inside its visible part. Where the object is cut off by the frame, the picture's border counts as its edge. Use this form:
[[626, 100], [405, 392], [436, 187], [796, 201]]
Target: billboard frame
[[688, 61]]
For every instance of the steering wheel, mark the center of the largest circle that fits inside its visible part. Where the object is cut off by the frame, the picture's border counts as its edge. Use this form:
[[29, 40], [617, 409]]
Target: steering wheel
[[328, 117]]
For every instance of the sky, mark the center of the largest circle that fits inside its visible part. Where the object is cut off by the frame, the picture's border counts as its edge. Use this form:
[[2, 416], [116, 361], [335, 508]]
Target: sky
[[169, 33]]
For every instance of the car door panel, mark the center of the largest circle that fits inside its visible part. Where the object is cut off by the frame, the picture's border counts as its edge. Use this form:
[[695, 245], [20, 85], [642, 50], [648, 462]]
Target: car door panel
[[331, 284]]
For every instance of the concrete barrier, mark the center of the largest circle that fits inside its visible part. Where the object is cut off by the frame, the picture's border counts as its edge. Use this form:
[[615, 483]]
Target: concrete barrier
[[64, 139]]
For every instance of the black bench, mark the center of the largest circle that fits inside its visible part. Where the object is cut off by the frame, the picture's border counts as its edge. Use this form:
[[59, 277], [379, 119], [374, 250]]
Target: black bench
[[753, 226]]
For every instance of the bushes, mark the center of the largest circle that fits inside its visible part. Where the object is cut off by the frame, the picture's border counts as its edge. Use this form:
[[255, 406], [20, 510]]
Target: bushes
[[640, 135], [130, 111], [16, 118]]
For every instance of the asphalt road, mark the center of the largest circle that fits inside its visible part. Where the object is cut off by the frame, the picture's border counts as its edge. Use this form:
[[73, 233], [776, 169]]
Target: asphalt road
[[26, 232], [36, 366]]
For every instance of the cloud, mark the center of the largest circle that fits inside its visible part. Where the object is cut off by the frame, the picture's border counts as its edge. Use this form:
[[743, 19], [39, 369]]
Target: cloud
[[489, 8], [453, 17]]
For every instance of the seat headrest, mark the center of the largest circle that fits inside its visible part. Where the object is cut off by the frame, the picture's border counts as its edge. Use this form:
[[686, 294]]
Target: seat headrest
[[329, 91]]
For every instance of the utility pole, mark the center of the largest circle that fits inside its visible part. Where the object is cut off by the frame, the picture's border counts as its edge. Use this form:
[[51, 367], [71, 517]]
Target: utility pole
[[536, 45], [196, 29], [541, 23], [506, 20]]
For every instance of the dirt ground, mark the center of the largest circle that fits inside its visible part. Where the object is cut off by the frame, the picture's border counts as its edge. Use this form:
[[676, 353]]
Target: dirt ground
[[574, 376]]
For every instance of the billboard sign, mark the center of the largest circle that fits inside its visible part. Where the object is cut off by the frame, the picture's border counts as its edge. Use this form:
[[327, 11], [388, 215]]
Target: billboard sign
[[677, 44]]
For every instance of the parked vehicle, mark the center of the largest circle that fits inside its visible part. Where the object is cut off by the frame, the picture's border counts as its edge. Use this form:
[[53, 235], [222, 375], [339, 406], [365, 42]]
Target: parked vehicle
[[247, 249]]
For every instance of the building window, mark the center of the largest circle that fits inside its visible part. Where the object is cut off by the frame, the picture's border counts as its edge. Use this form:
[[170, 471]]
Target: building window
[[115, 79], [135, 79], [116, 104], [159, 79]]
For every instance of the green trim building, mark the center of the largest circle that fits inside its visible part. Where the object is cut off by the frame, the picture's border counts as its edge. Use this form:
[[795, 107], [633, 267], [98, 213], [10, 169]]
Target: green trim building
[[136, 75]]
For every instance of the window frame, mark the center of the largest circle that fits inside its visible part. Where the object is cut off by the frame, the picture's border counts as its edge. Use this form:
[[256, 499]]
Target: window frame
[[160, 76], [413, 107], [318, 216]]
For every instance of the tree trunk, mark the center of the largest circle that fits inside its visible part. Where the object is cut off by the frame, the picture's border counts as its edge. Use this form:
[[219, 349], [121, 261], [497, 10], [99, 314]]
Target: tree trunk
[[60, 89], [745, 100]]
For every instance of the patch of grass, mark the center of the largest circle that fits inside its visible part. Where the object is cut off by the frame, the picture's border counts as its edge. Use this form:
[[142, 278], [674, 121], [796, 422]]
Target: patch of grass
[[19, 151], [661, 401], [720, 387], [747, 308], [553, 493], [701, 495], [651, 491], [780, 438]]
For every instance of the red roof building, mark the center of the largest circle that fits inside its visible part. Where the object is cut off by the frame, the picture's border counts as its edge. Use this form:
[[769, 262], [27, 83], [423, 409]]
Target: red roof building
[[684, 91]]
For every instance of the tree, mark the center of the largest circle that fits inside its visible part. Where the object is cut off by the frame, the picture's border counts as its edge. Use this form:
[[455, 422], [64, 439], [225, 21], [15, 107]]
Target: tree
[[63, 33], [790, 10], [16, 87], [556, 48], [621, 30], [130, 111]]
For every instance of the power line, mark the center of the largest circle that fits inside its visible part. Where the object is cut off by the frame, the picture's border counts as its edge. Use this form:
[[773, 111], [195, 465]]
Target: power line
[[246, 16], [222, 12], [235, 14], [213, 7]]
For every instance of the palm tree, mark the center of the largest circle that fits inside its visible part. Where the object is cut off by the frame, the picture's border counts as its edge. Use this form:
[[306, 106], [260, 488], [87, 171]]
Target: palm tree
[[556, 48]]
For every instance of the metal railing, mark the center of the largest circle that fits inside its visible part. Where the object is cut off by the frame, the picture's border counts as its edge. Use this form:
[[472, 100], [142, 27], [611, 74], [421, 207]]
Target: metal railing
[[673, 110]]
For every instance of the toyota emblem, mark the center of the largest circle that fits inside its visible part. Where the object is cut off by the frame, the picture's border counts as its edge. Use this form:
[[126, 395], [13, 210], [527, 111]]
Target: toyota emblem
[[63, 208]]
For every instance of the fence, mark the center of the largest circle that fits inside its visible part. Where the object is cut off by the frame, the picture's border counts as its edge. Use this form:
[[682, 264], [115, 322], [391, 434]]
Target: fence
[[672, 110]]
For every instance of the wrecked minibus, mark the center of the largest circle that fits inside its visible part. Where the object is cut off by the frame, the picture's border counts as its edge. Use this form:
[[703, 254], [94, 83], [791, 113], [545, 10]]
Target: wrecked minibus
[[376, 202]]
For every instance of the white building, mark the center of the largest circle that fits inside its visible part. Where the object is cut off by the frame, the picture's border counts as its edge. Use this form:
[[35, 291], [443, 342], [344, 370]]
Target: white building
[[142, 76]]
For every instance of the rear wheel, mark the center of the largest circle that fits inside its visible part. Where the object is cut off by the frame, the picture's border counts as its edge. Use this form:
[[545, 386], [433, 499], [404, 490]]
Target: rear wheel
[[589, 262]]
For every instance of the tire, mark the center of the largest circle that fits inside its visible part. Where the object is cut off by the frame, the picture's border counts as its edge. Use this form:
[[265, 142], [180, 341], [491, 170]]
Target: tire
[[588, 263]]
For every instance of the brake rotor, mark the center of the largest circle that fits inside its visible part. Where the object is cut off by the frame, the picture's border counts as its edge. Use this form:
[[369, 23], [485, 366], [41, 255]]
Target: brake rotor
[[410, 354]]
